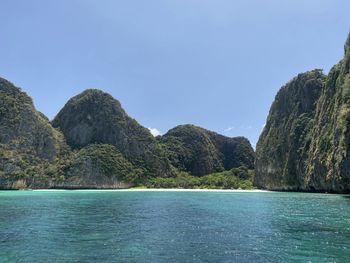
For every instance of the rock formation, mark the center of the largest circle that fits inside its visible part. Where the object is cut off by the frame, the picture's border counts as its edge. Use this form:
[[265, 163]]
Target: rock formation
[[305, 143], [201, 152]]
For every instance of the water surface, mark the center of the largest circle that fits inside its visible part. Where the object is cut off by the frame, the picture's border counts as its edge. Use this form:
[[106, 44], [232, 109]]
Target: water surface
[[97, 226]]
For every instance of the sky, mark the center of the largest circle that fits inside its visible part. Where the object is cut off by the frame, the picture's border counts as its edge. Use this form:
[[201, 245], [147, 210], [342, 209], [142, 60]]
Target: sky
[[217, 64]]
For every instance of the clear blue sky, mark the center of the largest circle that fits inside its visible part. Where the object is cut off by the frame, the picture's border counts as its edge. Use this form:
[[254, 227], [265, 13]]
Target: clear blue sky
[[214, 63]]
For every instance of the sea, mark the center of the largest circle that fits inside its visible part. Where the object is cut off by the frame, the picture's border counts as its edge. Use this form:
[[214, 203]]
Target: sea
[[137, 226]]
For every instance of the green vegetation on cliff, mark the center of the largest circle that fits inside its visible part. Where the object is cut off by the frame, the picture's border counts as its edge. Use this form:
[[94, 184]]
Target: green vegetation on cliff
[[200, 152], [21, 169], [306, 141], [30, 148], [284, 144], [107, 149], [96, 117], [23, 128], [328, 166], [99, 166], [236, 178]]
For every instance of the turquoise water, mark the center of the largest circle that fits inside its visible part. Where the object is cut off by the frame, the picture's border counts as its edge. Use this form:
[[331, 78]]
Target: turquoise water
[[72, 226]]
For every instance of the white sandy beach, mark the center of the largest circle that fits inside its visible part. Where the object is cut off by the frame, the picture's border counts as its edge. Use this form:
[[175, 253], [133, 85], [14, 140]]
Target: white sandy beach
[[159, 190]]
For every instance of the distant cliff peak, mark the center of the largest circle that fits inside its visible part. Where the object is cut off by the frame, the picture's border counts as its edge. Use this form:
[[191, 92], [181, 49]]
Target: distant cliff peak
[[23, 128], [347, 44], [199, 151], [9, 89], [347, 54], [95, 117]]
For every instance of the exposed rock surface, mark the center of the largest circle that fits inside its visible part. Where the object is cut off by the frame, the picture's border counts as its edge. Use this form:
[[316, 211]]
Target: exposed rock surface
[[328, 166], [96, 117], [284, 145], [28, 142], [23, 128], [105, 147], [33, 154], [201, 152], [305, 143], [108, 148], [99, 166]]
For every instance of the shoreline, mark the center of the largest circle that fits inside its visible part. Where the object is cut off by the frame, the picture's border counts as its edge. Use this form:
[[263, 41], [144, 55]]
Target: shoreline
[[164, 190], [154, 190]]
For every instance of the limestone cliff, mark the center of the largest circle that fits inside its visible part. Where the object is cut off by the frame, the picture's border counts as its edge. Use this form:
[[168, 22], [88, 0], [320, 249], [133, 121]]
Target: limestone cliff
[[28, 142], [328, 166], [96, 117], [201, 152], [98, 166], [283, 146], [305, 143], [23, 128]]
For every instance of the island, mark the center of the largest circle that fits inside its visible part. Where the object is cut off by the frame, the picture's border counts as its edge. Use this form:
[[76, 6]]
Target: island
[[93, 143]]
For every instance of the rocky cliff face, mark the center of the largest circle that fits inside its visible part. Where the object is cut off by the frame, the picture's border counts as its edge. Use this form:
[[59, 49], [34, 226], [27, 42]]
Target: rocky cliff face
[[283, 147], [98, 166], [23, 128], [96, 117], [28, 142], [328, 166], [305, 143], [201, 152], [108, 148]]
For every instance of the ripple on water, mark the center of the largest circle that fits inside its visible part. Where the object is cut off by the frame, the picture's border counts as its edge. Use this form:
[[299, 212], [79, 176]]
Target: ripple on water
[[173, 227]]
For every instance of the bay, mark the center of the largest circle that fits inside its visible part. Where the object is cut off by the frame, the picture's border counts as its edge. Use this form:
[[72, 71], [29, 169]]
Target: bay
[[112, 226]]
